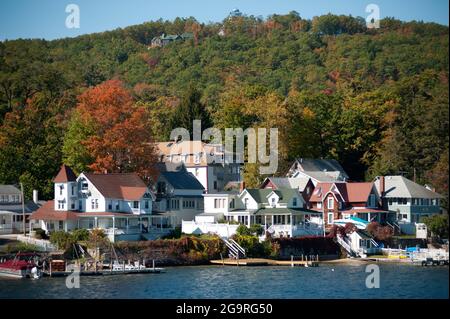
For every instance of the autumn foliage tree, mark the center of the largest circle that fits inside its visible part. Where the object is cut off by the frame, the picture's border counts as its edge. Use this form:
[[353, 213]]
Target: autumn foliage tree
[[109, 133]]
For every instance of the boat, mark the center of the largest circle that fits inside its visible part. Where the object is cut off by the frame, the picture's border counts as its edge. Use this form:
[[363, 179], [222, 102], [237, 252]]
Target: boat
[[19, 267]]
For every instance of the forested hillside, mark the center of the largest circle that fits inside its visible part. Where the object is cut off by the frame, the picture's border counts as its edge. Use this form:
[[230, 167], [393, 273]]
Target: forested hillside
[[376, 100]]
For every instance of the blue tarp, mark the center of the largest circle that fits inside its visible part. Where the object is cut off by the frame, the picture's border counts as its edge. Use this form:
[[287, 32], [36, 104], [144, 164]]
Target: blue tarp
[[357, 219]]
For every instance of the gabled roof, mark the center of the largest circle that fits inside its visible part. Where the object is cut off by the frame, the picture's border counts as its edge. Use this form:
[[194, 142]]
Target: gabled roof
[[260, 195], [399, 186], [9, 190], [320, 165], [65, 175], [347, 192], [322, 170], [182, 180], [289, 182], [128, 186]]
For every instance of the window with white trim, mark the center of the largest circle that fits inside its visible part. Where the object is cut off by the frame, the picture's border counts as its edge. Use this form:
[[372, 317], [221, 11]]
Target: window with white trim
[[330, 218], [330, 202]]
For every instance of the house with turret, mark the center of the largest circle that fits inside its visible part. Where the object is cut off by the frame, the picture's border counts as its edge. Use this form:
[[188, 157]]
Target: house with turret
[[119, 203]]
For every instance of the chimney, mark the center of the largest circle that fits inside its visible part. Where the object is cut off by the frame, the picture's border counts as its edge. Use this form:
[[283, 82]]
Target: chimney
[[35, 196], [382, 186], [242, 186]]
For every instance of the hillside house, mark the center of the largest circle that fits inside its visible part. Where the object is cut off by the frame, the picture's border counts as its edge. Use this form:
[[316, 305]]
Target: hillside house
[[210, 164], [165, 39], [319, 170]]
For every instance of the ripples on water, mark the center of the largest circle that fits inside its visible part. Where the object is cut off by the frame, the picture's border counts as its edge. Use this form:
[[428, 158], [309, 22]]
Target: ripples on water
[[346, 281]]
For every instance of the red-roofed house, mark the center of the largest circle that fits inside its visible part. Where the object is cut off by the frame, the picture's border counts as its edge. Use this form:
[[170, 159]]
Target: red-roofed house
[[120, 204], [344, 200]]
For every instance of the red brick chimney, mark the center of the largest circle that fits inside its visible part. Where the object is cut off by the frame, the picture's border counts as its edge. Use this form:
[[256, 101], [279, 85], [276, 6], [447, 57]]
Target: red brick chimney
[[242, 186], [382, 186]]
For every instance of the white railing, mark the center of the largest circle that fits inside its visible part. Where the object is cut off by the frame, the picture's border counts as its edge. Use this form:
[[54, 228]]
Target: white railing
[[341, 241], [223, 230], [295, 230]]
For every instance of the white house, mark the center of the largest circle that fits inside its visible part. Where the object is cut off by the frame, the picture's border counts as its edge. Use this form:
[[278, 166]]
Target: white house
[[211, 165], [319, 170], [179, 196], [120, 204], [280, 212]]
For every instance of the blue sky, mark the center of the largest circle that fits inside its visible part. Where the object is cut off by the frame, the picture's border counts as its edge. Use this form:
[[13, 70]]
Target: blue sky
[[46, 18]]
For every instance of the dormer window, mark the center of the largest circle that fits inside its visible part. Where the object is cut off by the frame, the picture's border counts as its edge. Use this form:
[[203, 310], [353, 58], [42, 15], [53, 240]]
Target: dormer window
[[273, 202], [294, 201]]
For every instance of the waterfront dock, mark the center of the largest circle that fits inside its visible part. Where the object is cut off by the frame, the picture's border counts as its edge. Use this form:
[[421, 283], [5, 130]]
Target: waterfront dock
[[264, 262], [105, 272]]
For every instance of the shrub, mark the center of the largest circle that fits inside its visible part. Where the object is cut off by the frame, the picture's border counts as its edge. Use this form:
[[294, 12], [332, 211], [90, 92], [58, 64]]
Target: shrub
[[437, 225], [243, 230], [97, 238], [61, 239], [256, 229], [80, 235], [174, 233], [22, 247], [253, 247], [379, 232]]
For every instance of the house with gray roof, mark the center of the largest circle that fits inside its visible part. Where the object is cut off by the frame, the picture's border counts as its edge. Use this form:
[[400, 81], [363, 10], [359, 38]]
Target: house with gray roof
[[12, 212], [165, 39], [303, 184], [179, 195], [410, 201], [319, 170]]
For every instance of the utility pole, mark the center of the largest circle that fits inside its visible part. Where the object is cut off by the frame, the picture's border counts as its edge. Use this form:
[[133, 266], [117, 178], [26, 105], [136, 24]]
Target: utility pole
[[23, 210]]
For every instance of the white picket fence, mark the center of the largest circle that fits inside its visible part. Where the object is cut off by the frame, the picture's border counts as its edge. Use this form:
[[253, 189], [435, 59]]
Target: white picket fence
[[42, 244]]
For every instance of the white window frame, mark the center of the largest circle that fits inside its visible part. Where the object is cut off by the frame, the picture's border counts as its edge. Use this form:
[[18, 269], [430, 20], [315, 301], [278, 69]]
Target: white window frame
[[330, 220], [332, 202]]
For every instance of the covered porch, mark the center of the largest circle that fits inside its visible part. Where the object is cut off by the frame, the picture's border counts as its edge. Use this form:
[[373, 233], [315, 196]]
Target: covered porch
[[13, 222], [370, 215], [285, 222], [125, 226]]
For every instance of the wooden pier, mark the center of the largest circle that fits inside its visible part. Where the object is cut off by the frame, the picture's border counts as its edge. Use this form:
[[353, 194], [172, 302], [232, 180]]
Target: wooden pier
[[264, 262]]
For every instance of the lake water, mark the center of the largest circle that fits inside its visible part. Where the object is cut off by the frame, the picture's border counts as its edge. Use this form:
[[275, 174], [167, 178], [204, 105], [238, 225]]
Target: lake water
[[325, 281]]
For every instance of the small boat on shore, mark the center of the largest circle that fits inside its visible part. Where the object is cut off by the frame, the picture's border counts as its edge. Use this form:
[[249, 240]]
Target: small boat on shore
[[19, 267]]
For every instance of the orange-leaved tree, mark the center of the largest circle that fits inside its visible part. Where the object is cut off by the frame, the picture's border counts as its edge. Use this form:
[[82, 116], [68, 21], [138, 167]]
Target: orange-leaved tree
[[109, 133]]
